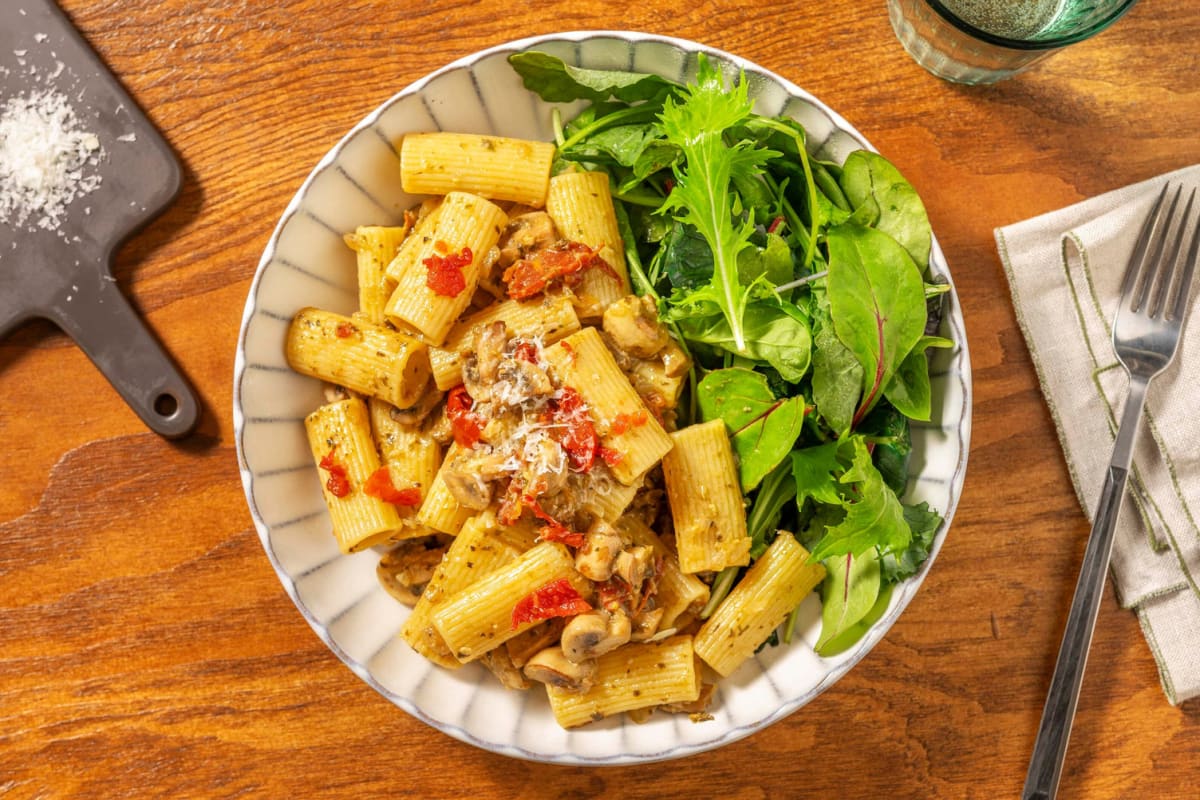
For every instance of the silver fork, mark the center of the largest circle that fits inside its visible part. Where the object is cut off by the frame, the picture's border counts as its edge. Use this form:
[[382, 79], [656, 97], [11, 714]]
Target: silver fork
[[1154, 298]]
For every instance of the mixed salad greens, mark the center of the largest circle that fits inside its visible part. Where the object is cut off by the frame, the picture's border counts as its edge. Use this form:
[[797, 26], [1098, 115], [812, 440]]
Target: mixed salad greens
[[800, 288]]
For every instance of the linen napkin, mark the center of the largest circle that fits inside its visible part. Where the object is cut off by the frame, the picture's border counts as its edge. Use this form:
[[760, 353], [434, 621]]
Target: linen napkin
[[1065, 270]]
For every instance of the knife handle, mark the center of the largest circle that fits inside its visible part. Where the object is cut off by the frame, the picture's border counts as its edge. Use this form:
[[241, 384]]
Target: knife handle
[[110, 332]]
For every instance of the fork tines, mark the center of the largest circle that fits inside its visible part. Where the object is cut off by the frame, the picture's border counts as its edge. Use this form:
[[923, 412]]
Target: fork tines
[[1157, 255]]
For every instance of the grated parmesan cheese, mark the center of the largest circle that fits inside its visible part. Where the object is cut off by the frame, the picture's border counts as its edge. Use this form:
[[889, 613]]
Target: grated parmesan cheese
[[47, 160]]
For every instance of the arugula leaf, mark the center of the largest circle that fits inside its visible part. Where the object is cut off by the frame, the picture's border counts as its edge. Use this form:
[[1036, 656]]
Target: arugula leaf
[[850, 636], [924, 523], [762, 428], [702, 195], [877, 302], [557, 82], [848, 593], [870, 178], [813, 471], [874, 518]]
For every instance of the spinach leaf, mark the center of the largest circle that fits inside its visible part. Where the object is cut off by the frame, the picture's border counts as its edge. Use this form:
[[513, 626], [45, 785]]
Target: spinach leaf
[[762, 428], [849, 592], [837, 378], [869, 177], [687, 259], [622, 144], [772, 334], [557, 82], [874, 516], [924, 523], [909, 390], [702, 195], [849, 637], [772, 262], [877, 302]]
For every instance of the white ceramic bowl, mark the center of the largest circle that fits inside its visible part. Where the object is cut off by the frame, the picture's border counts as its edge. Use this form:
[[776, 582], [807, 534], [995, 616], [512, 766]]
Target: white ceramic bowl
[[306, 263]]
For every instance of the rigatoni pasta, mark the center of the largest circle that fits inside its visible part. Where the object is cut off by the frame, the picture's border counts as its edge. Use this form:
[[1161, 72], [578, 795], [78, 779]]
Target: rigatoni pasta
[[517, 429], [339, 435], [366, 358], [582, 208], [773, 586], [495, 167], [706, 499], [436, 272]]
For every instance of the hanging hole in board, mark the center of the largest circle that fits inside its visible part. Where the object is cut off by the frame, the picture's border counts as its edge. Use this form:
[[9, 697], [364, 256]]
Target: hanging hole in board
[[165, 405]]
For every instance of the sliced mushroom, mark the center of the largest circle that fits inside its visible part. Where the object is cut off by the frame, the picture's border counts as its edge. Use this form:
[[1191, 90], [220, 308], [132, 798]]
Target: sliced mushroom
[[645, 624], [527, 644], [633, 324], [464, 481], [497, 660], [545, 464], [479, 368], [418, 412], [518, 381], [594, 634], [524, 234], [634, 565], [551, 667], [596, 559], [405, 569]]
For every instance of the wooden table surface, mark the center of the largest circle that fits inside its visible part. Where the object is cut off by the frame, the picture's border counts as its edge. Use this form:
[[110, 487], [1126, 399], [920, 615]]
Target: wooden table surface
[[146, 646]]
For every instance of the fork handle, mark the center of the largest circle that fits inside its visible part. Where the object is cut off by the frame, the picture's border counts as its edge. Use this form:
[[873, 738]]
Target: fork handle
[[1045, 766]]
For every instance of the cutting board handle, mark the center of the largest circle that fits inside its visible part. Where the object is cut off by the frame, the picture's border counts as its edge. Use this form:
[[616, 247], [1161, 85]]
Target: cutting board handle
[[113, 336]]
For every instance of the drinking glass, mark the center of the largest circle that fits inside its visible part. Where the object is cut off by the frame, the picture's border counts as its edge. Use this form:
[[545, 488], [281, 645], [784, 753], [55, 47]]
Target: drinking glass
[[983, 41]]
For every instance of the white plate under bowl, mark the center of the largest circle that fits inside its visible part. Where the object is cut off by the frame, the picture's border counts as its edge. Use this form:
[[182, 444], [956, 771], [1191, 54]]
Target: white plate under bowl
[[306, 263]]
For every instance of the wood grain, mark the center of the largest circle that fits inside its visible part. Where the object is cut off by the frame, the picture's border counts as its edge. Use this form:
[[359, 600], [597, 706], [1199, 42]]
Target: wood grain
[[146, 647]]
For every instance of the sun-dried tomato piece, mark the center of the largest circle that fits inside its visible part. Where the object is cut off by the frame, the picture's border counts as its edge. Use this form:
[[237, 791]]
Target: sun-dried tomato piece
[[466, 425], [562, 261], [380, 485], [338, 482], [555, 599], [444, 273]]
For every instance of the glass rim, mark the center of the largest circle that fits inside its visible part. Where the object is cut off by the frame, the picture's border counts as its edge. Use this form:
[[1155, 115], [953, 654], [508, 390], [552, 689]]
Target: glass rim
[[1030, 44]]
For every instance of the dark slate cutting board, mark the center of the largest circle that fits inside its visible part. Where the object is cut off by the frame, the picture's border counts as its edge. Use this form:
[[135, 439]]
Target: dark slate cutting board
[[65, 275]]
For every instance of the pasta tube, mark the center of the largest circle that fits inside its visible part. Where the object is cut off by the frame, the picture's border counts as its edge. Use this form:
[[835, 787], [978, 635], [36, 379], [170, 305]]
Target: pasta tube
[[632, 677], [436, 272], [547, 318], [480, 618], [495, 167], [581, 206], [366, 358], [412, 457], [481, 547], [706, 499], [339, 435], [439, 510], [623, 422], [375, 247], [772, 586]]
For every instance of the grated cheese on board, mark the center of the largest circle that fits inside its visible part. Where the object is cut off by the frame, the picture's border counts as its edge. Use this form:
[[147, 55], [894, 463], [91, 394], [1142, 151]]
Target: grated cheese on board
[[47, 159]]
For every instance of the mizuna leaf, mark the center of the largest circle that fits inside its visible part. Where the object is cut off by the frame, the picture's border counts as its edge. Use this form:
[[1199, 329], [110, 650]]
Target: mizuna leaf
[[703, 194]]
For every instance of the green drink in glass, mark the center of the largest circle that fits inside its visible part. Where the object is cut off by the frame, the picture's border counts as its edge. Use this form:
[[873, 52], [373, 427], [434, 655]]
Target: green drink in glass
[[983, 41]]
